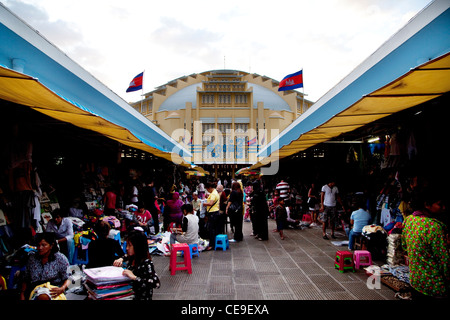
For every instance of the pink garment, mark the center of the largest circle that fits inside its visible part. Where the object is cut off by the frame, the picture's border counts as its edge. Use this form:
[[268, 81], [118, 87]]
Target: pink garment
[[174, 205]]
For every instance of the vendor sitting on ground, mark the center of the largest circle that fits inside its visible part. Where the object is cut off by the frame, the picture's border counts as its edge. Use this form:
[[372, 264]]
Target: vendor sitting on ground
[[144, 218], [46, 276], [188, 233]]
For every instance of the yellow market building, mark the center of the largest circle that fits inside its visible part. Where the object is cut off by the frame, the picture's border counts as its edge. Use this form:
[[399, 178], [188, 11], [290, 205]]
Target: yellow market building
[[224, 117]]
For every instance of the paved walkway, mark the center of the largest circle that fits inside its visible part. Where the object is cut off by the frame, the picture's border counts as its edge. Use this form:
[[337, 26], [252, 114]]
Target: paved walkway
[[301, 267]]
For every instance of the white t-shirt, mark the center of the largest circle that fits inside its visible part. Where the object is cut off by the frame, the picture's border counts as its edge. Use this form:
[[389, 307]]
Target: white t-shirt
[[134, 194], [330, 195]]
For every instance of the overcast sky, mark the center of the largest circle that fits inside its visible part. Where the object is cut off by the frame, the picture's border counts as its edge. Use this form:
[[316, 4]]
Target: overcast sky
[[115, 40]]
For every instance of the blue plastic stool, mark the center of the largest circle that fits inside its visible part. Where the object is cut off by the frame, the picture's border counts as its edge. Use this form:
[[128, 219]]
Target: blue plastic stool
[[79, 261], [193, 249], [222, 242]]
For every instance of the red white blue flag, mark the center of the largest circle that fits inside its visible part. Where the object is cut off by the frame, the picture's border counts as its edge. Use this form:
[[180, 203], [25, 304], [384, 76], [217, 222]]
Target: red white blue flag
[[252, 141], [136, 83], [292, 81]]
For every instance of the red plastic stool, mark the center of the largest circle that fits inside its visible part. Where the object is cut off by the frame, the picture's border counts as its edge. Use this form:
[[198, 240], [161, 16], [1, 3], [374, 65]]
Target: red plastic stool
[[307, 218], [344, 261], [362, 258], [174, 264]]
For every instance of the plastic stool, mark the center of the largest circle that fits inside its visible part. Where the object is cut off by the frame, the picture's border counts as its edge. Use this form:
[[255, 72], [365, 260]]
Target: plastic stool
[[362, 258], [222, 242], [307, 218], [360, 242], [344, 261], [193, 249], [174, 265]]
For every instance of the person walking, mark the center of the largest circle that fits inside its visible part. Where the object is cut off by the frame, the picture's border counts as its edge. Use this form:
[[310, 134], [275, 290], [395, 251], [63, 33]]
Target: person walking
[[213, 215], [280, 217], [329, 195], [235, 210], [174, 206], [148, 198], [260, 212], [313, 204], [283, 189]]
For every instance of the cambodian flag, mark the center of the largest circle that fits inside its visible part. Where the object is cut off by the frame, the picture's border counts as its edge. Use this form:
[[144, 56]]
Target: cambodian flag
[[252, 141], [292, 81], [136, 83]]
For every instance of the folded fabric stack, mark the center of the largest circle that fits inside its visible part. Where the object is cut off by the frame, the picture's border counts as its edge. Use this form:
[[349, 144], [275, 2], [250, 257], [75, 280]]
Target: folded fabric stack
[[108, 283], [395, 252]]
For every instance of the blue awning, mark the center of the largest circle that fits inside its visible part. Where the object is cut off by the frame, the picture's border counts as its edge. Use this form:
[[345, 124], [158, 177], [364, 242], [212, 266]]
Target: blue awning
[[412, 67], [35, 73]]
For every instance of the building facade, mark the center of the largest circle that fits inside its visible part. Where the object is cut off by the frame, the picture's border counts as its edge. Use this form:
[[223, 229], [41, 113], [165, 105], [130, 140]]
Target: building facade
[[223, 116]]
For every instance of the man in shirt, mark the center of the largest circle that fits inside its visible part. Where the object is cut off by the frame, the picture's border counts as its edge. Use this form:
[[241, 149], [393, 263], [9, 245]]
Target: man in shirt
[[188, 233], [63, 228], [283, 189], [212, 204], [329, 195], [196, 203], [358, 219]]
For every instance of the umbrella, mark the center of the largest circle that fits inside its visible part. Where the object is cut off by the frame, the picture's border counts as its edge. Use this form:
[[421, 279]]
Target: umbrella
[[242, 170], [195, 173], [252, 173], [199, 169]]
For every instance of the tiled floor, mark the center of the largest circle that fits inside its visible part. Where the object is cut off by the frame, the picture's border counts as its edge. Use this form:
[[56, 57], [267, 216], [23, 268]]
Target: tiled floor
[[301, 267]]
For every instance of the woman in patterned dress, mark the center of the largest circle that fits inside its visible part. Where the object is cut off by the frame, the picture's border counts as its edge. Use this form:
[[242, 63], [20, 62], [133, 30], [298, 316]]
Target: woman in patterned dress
[[425, 236]]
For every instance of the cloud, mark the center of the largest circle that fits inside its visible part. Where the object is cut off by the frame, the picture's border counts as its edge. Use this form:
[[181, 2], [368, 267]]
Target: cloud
[[178, 36], [63, 33], [115, 40]]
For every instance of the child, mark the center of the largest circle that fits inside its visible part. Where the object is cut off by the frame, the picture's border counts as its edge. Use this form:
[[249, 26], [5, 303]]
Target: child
[[280, 217], [140, 266], [144, 218]]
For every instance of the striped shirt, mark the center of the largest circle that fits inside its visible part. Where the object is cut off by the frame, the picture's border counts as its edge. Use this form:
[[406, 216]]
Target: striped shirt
[[283, 188]]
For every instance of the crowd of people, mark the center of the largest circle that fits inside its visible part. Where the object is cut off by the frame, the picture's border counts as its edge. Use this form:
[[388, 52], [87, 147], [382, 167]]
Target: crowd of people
[[204, 209]]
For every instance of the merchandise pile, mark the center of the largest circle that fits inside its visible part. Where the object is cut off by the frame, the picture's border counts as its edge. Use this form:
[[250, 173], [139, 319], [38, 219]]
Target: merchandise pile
[[395, 253], [108, 283]]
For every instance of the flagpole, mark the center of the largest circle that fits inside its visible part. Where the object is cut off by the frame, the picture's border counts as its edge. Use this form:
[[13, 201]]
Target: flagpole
[[303, 94], [142, 90]]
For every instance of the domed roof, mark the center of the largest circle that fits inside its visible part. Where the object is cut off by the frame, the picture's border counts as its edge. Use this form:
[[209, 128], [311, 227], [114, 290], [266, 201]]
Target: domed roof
[[271, 100], [177, 101]]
